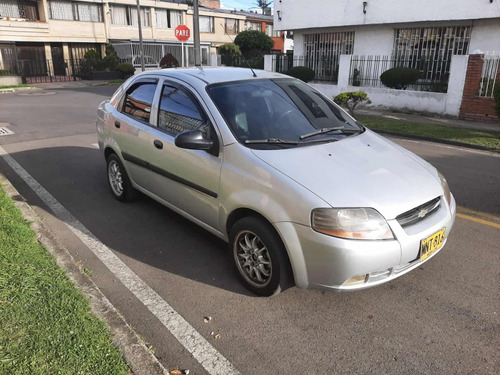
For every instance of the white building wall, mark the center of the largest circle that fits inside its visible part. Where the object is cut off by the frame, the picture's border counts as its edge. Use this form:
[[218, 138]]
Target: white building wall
[[300, 14], [485, 36]]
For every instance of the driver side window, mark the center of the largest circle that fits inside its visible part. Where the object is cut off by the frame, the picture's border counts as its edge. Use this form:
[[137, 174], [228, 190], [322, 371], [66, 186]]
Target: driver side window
[[179, 112]]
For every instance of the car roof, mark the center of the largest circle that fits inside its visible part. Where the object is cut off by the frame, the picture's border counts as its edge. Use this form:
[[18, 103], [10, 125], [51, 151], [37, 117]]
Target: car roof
[[211, 75]]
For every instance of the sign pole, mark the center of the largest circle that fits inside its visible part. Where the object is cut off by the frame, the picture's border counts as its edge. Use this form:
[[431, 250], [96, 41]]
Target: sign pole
[[141, 47], [196, 31], [182, 33]]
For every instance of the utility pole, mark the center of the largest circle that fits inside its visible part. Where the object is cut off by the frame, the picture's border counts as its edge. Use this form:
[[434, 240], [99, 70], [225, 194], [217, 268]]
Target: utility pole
[[196, 31], [141, 47]]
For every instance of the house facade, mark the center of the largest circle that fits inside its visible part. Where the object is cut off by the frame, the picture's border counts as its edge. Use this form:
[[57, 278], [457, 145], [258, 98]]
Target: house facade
[[373, 36], [48, 37]]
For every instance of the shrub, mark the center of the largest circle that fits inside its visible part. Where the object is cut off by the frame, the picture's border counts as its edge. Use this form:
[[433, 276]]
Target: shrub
[[399, 78], [253, 43], [111, 59], [351, 100], [301, 72], [5, 72], [496, 96], [127, 69], [169, 61], [229, 49], [92, 54]]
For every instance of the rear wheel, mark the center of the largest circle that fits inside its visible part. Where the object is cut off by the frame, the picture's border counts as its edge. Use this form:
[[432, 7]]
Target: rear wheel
[[118, 180], [259, 256]]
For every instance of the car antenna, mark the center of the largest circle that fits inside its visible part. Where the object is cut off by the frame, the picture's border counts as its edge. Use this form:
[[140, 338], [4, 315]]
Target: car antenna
[[232, 41]]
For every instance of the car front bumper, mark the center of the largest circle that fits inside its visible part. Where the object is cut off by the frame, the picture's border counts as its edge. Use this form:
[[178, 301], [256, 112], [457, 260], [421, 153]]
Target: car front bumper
[[324, 262]]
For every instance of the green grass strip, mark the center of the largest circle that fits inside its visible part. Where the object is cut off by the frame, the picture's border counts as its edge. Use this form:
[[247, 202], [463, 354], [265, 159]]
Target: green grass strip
[[14, 86], [46, 326], [469, 136]]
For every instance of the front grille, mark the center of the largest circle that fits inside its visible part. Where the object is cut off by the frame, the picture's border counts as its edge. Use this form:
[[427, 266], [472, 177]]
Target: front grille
[[419, 213]]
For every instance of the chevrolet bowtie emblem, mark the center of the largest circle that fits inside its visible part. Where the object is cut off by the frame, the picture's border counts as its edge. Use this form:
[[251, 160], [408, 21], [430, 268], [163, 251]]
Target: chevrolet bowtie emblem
[[422, 213]]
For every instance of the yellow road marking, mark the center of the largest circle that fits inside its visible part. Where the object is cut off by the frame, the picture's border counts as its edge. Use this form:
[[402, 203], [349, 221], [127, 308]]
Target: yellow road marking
[[477, 220], [477, 213]]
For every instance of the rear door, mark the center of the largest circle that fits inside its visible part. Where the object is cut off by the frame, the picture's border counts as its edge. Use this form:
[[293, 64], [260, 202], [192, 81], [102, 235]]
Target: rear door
[[131, 130]]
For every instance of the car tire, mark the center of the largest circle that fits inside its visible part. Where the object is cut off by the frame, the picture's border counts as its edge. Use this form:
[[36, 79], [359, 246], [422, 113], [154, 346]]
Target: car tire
[[118, 180], [260, 257]]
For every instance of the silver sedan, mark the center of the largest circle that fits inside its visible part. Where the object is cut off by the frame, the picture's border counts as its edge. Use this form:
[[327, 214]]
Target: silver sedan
[[302, 192]]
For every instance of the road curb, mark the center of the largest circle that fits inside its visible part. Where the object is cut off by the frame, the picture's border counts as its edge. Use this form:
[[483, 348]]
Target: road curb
[[135, 352], [435, 140]]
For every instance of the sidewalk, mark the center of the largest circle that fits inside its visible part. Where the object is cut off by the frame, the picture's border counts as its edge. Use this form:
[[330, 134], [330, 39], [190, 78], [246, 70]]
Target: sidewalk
[[430, 120]]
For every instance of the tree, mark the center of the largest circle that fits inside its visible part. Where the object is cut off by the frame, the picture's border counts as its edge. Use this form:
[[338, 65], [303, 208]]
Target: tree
[[263, 4], [351, 99], [229, 49], [253, 43]]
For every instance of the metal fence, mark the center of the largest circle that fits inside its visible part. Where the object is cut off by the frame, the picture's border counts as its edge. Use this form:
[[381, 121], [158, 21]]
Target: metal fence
[[489, 75], [239, 61], [42, 71], [155, 52], [434, 72], [325, 69]]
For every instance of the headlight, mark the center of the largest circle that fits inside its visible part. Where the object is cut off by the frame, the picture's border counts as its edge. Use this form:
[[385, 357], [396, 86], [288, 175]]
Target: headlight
[[446, 189], [355, 223]]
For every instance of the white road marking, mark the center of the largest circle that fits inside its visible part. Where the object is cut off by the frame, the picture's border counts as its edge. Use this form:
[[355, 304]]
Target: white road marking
[[213, 361], [96, 145]]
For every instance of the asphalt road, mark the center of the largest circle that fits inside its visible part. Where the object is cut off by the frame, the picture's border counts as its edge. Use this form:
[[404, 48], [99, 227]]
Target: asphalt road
[[442, 318]]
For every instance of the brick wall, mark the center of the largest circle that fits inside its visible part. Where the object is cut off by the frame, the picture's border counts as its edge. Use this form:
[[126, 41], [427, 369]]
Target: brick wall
[[474, 107]]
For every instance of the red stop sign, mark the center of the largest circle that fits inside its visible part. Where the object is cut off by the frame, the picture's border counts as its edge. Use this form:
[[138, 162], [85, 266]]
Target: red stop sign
[[182, 33]]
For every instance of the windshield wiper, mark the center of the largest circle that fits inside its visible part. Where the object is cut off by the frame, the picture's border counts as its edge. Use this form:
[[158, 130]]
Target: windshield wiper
[[328, 130], [270, 141]]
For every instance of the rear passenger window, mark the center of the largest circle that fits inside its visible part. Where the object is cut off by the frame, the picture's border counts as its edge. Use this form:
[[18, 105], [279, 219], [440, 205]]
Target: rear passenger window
[[138, 100], [179, 111]]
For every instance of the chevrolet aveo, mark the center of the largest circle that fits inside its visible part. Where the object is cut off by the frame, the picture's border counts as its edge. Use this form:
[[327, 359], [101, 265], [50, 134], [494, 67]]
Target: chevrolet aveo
[[302, 192]]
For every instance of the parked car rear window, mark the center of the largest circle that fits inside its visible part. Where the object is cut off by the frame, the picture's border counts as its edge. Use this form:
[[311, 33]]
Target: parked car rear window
[[138, 100], [284, 109]]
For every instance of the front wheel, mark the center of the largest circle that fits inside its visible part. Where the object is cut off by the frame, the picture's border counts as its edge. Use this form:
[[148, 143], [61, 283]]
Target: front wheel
[[259, 256]]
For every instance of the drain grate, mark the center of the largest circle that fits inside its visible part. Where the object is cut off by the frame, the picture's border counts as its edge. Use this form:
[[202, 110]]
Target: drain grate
[[5, 131]]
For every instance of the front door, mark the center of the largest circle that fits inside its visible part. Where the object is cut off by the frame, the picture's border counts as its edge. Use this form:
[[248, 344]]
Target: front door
[[58, 59], [189, 178]]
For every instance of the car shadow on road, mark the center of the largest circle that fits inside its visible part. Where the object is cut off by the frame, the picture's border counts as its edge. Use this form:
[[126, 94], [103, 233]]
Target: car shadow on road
[[143, 230]]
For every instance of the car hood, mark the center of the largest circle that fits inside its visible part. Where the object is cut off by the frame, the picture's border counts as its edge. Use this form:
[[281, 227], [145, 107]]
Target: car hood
[[366, 170]]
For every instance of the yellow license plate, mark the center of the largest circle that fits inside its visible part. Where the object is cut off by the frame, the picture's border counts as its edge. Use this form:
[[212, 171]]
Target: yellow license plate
[[431, 244]]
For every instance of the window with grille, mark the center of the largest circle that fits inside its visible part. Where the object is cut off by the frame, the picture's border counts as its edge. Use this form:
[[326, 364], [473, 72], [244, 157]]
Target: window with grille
[[206, 24], [75, 11], [249, 25], [432, 42], [24, 9], [326, 45], [232, 26], [168, 19]]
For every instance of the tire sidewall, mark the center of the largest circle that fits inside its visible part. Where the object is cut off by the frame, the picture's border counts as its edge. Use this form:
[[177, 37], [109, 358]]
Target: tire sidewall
[[124, 196], [274, 247]]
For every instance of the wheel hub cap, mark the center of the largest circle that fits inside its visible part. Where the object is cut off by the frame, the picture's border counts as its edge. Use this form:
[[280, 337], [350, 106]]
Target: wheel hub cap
[[252, 258], [115, 178]]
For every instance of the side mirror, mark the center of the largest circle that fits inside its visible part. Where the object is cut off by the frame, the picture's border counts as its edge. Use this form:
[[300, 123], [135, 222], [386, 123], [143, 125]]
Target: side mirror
[[193, 140]]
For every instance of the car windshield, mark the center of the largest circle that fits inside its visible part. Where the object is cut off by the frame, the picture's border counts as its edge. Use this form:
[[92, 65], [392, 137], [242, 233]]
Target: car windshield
[[280, 113]]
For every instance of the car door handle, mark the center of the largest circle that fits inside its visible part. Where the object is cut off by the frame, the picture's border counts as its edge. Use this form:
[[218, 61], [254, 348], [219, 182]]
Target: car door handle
[[117, 124], [158, 144]]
